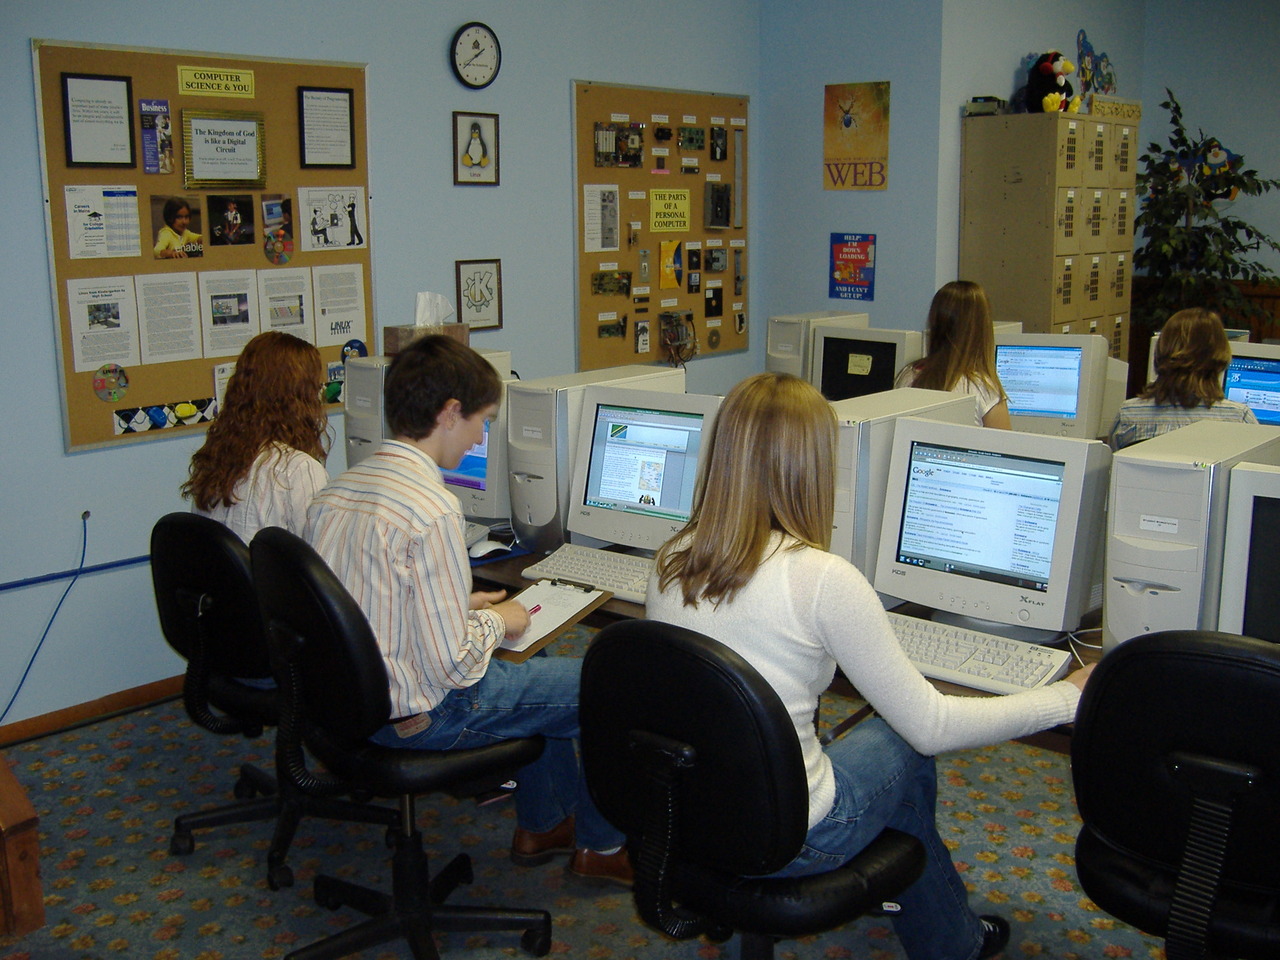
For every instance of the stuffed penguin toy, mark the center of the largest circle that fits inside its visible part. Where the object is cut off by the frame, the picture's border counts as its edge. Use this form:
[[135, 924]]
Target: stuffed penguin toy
[[1048, 90]]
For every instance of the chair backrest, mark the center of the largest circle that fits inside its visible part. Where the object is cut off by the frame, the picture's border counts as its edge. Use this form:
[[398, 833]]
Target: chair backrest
[[315, 628], [204, 586], [743, 799], [1173, 717]]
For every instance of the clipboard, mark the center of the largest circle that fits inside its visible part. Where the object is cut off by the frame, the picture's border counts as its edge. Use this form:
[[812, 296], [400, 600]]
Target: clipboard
[[562, 603]]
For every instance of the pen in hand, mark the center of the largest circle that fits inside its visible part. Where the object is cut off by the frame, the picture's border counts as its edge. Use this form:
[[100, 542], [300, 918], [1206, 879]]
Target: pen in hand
[[534, 609]]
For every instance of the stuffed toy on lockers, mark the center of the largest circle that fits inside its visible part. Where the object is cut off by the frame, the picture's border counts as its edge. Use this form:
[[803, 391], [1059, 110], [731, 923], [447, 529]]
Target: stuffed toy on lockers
[[1048, 90]]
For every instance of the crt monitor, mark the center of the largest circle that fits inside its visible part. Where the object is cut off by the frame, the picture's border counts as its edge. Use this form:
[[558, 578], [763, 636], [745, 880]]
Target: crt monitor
[[1249, 603], [993, 528], [1253, 378], [637, 464], [1055, 382], [850, 362], [480, 480]]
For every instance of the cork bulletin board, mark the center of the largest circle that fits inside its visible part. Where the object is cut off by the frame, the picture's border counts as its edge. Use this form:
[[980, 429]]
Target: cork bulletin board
[[192, 201], [662, 259]]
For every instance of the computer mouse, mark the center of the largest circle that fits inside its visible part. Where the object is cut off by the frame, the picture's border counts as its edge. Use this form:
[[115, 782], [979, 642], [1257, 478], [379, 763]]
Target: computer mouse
[[482, 548]]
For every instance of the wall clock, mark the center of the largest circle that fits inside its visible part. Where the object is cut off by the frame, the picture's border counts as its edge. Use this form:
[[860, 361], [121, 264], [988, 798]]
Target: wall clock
[[475, 55]]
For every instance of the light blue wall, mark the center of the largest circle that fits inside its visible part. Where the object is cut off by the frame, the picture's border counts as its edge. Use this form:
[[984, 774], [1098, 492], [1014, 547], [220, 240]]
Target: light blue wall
[[106, 638], [1219, 59], [935, 53]]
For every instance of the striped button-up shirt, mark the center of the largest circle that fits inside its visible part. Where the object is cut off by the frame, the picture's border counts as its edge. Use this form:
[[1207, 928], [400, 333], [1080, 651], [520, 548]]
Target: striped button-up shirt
[[393, 535]]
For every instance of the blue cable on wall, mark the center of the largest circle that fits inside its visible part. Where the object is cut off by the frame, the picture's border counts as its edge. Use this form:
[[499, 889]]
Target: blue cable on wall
[[45, 578]]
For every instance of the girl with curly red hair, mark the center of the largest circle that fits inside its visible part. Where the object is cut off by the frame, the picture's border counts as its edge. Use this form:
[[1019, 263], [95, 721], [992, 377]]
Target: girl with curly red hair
[[263, 459]]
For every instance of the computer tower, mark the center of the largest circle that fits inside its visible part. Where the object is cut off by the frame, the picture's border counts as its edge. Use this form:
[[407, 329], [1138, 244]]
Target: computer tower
[[865, 427], [789, 339], [542, 431], [1165, 524], [362, 420]]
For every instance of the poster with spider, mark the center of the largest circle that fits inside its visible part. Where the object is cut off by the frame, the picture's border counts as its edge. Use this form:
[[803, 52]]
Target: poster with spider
[[855, 136]]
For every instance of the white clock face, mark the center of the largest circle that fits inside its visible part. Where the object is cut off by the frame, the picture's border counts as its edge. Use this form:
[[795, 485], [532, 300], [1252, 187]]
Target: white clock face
[[476, 55]]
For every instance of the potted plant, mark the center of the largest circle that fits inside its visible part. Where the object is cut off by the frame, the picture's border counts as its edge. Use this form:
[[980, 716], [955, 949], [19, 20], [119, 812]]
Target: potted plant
[[1192, 252]]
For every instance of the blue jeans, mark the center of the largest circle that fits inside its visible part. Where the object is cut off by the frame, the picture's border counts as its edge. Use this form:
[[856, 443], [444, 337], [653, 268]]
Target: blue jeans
[[539, 696], [881, 782]]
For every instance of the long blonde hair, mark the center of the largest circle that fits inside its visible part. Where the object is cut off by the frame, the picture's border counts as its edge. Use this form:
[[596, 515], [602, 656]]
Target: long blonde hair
[[770, 466], [1191, 354], [962, 342]]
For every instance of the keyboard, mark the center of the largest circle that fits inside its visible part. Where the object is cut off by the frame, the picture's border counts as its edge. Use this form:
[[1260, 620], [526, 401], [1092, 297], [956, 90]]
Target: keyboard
[[979, 660], [475, 532], [625, 575]]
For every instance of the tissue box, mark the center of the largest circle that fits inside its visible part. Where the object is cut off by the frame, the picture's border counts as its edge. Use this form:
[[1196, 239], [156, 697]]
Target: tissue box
[[395, 339]]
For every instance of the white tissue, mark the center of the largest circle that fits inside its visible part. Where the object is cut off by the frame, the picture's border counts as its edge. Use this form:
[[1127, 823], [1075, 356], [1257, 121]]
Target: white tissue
[[433, 310]]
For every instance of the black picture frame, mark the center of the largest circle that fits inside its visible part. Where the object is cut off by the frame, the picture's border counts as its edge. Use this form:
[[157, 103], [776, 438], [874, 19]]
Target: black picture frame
[[478, 284], [323, 107], [484, 173], [123, 142]]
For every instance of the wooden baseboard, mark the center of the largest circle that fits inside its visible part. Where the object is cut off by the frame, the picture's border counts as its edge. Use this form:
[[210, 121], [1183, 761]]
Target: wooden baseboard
[[64, 719]]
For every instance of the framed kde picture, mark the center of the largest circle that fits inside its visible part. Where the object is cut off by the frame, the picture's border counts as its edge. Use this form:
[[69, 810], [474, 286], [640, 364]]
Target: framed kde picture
[[479, 293]]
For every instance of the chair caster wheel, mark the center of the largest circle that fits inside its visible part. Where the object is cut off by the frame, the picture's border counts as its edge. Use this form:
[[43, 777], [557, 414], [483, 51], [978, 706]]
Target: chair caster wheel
[[180, 844], [536, 941], [281, 876], [244, 789]]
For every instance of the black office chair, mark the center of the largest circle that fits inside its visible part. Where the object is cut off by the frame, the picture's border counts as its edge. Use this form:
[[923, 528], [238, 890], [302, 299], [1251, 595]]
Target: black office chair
[[1176, 762], [334, 697], [690, 752], [209, 614]]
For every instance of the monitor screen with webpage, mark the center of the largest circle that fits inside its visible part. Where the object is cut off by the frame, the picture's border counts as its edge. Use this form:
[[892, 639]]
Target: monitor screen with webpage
[[996, 528], [637, 465], [1253, 378], [1055, 382], [852, 362], [480, 480]]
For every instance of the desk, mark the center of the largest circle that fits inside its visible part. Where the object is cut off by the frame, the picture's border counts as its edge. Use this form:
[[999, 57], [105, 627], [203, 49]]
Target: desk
[[507, 575]]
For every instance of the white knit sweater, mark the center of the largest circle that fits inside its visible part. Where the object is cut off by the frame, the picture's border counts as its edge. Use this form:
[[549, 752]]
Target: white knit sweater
[[804, 612]]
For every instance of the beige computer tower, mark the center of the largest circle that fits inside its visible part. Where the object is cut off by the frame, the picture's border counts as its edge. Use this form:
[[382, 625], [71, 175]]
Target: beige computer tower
[[1046, 220]]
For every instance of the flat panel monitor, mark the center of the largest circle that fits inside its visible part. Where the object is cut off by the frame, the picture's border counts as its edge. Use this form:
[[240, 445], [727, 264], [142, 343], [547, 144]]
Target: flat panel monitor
[[857, 362], [637, 464], [1055, 382], [1253, 378], [1249, 603], [480, 481], [993, 528]]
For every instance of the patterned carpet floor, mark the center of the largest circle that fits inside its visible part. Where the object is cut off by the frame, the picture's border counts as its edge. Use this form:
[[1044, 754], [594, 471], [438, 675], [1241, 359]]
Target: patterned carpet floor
[[106, 795]]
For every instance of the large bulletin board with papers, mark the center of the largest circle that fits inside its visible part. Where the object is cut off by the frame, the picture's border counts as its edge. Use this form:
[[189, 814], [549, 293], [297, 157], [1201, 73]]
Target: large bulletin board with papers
[[192, 201], [662, 254]]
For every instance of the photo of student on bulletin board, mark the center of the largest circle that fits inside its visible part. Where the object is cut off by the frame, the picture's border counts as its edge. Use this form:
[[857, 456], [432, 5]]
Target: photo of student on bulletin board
[[231, 219], [177, 225]]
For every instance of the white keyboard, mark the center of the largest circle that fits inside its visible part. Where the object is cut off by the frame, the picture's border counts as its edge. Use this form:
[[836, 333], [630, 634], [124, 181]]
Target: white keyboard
[[623, 574], [978, 660], [475, 532]]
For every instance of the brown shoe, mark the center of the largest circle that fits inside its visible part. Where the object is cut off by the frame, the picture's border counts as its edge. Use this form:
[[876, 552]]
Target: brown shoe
[[602, 867], [529, 849]]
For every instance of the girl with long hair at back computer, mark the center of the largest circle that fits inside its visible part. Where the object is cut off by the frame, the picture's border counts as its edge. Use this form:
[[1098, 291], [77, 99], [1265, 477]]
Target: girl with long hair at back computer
[[1191, 354], [751, 569], [263, 458], [961, 355]]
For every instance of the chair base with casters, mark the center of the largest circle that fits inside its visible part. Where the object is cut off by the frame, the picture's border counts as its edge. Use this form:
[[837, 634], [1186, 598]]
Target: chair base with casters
[[690, 752], [416, 906]]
